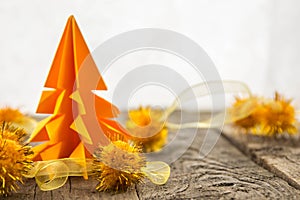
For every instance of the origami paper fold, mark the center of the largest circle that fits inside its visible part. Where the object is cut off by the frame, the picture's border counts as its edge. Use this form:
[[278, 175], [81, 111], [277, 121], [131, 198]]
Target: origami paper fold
[[80, 120]]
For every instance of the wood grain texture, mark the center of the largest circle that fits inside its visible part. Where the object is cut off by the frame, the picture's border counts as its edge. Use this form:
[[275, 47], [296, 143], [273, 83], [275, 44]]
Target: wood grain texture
[[225, 173], [281, 156], [75, 188]]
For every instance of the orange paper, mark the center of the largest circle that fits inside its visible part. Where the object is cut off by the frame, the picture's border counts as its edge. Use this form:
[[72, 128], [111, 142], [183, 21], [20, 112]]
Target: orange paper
[[81, 120]]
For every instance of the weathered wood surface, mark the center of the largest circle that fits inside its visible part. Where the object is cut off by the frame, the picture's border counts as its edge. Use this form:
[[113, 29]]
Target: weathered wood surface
[[225, 173], [279, 155]]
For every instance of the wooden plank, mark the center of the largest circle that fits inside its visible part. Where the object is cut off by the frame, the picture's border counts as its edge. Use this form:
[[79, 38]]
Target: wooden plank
[[225, 173], [26, 191], [279, 155], [75, 188]]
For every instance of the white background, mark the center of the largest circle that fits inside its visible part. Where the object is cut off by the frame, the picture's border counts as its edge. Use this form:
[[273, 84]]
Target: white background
[[255, 41]]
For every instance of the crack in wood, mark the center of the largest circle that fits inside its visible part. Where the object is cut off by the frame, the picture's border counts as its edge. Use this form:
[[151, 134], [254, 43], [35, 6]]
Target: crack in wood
[[280, 157]]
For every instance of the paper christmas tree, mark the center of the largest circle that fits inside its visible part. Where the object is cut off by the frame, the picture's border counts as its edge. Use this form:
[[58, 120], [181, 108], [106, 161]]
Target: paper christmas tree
[[80, 120]]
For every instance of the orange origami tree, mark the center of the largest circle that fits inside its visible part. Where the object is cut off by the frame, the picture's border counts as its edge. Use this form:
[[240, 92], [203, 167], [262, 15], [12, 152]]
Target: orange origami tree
[[81, 120]]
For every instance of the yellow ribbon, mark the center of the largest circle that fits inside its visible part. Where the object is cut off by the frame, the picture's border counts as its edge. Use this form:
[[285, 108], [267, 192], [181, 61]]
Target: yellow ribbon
[[201, 90], [157, 172], [53, 174]]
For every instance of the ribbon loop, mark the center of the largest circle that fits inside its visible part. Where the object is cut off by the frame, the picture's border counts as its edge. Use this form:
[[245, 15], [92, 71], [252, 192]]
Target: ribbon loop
[[53, 174], [201, 90], [157, 172]]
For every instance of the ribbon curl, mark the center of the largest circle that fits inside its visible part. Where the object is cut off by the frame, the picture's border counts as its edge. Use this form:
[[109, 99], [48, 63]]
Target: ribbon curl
[[202, 90], [53, 174]]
